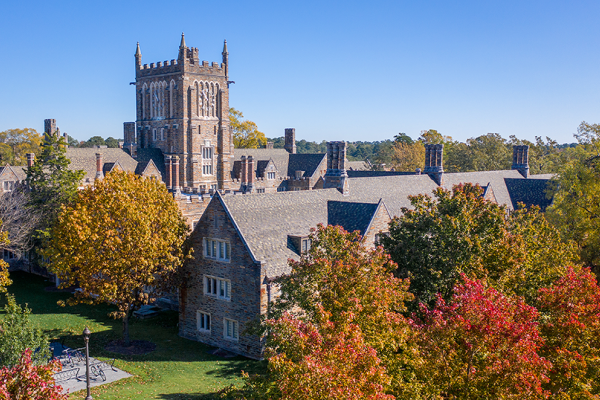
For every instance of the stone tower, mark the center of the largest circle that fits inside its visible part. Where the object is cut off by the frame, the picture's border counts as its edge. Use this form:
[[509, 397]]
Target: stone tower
[[182, 108]]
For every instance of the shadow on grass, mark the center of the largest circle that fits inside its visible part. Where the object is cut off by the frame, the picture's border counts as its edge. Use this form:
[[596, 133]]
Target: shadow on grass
[[161, 329], [189, 396]]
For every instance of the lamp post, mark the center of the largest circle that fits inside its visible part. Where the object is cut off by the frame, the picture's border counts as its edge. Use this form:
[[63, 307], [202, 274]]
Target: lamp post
[[86, 338]]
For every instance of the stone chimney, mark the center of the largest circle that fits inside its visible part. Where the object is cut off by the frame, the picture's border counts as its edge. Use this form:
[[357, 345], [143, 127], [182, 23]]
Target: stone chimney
[[434, 162], [244, 172], [30, 159], [290, 140], [129, 138], [66, 139], [269, 145], [521, 160], [336, 175], [169, 172], [250, 180], [99, 166]]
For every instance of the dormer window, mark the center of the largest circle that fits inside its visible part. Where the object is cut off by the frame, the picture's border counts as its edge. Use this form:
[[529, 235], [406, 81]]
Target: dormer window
[[306, 243], [301, 244], [270, 175]]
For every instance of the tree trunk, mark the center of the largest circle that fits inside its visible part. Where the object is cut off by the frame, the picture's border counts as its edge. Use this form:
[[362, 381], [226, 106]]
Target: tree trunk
[[126, 328]]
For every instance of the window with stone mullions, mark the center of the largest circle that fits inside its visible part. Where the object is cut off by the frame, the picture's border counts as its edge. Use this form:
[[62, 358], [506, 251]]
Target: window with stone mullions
[[218, 287], [217, 249], [270, 175], [207, 161]]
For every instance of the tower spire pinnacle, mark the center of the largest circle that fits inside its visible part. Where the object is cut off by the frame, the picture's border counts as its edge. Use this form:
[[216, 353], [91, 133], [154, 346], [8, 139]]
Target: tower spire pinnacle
[[225, 48], [182, 44], [138, 53]]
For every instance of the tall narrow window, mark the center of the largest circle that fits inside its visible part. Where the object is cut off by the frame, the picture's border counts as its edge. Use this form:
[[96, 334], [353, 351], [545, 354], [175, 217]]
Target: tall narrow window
[[203, 321], [207, 160], [230, 329]]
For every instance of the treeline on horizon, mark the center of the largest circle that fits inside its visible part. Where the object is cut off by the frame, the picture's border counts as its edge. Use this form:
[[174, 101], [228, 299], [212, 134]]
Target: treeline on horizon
[[483, 153]]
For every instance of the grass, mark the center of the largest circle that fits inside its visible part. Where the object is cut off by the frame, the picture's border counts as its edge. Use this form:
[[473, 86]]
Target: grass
[[177, 369]]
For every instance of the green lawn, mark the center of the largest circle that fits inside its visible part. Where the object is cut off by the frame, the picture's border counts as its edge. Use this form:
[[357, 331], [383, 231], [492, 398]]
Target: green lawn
[[177, 369]]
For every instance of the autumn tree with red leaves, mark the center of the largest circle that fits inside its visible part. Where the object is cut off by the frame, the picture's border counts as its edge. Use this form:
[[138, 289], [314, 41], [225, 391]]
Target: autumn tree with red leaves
[[29, 381], [571, 326], [481, 345], [341, 304]]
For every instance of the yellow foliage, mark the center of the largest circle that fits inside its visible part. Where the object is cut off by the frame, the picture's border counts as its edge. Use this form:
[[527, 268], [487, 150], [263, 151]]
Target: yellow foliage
[[118, 239]]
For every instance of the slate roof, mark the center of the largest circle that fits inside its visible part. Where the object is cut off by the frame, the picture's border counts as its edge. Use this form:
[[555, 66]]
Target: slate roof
[[266, 220], [19, 171], [85, 159], [370, 174], [528, 191], [287, 164], [351, 216], [357, 165], [144, 156], [496, 178]]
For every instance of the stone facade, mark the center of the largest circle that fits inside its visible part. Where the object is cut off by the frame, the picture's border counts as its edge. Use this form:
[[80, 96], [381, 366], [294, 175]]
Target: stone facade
[[237, 307], [182, 108]]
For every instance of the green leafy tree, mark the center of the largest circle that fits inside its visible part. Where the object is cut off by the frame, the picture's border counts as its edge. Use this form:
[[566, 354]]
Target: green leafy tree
[[245, 133], [93, 141], [112, 143], [576, 197], [18, 334], [432, 136], [51, 182], [459, 231], [121, 241]]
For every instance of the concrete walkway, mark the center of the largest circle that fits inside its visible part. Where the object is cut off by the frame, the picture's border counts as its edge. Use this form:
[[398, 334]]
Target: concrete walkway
[[72, 376]]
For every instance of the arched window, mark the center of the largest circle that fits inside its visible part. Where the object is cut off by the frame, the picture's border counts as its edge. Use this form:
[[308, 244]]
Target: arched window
[[171, 96], [144, 90]]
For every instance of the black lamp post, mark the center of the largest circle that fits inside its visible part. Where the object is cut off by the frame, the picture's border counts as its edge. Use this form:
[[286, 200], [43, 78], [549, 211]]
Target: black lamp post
[[86, 338]]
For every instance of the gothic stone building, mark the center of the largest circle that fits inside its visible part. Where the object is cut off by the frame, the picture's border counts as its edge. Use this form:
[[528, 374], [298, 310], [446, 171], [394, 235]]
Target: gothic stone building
[[242, 242]]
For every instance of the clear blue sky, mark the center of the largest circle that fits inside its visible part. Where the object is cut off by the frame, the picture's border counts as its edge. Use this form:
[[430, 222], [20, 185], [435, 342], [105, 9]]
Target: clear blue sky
[[333, 70]]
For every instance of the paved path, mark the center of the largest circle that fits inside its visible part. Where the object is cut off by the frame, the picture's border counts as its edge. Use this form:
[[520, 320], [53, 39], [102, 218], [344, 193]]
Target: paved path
[[72, 377]]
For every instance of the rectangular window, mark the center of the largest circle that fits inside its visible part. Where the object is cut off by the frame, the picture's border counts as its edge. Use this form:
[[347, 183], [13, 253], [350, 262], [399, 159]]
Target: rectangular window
[[207, 160], [154, 134], [270, 175], [203, 321], [221, 288], [217, 249], [162, 133], [260, 190], [230, 329]]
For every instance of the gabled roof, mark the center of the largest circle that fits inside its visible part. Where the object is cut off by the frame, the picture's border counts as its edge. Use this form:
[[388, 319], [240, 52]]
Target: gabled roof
[[85, 159], [17, 170], [144, 156]]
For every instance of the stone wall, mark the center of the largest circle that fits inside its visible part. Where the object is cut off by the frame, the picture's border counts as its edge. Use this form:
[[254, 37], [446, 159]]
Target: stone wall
[[244, 305]]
